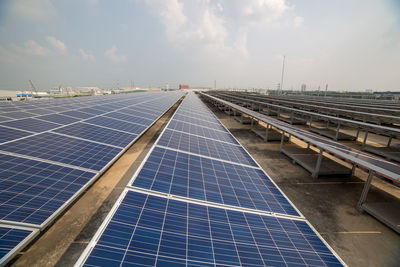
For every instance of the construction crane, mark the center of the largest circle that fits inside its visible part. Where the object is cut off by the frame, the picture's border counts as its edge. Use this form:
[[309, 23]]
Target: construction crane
[[32, 87]]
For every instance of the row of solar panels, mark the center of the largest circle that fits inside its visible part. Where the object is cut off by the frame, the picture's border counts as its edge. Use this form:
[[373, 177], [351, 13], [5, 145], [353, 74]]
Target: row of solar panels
[[199, 199], [46, 161], [381, 166]]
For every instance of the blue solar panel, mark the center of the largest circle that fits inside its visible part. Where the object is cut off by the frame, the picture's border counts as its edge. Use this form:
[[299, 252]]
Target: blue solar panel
[[7, 134], [129, 118], [17, 115], [32, 191], [201, 131], [134, 111], [205, 147], [64, 149], [57, 108], [209, 123], [41, 111], [57, 118], [31, 124], [148, 230], [8, 109], [98, 134], [117, 124], [77, 114], [93, 111], [215, 181], [3, 119], [12, 239]]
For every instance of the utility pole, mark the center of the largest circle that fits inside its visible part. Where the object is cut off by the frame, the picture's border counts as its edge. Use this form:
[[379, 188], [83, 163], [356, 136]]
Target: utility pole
[[326, 89], [215, 84], [283, 71]]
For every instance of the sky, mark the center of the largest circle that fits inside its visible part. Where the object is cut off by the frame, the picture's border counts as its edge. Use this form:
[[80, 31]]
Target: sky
[[347, 44]]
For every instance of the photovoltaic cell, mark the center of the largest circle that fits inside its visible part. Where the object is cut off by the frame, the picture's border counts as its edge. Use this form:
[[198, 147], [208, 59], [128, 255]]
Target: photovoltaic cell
[[215, 181], [32, 191], [7, 134], [8, 109], [205, 147], [98, 134], [57, 108], [148, 230], [40, 111], [64, 149], [195, 120], [12, 238], [77, 114], [31, 124], [137, 112], [117, 124], [57, 118], [17, 115], [93, 111], [3, 119], [129, 118], [201, 131]]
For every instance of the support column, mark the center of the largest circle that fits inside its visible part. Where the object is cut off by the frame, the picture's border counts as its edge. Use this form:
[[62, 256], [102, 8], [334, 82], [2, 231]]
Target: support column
[[364, 193], [365, 139], [390, 141], [282, 139], [337, 131], [318, 166], [358, 133]]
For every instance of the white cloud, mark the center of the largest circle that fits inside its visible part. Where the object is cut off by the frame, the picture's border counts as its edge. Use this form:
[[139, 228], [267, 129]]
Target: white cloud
[[111, 54], [298, 21], [32, 48], [206, 26], [88, 56], [256, 11], [60, 46], [34, 9]]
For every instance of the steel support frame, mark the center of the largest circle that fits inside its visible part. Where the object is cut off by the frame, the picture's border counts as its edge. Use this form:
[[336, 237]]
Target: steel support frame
[[365, 191]]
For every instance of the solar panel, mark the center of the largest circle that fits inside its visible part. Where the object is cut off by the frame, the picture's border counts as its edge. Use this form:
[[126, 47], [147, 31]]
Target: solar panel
[[8, 109], [94, 111], [7, 134], [138, 113], [57, 118], [98, 134], [17, 115], [149, 230], [193, 120], [12, 240], [32, 191], [77, 114], [3, 119], [210, 180], [57, 108], [205, 147], [117, 124], [31, 124], [40, 111], [201, 131], [129, 118], [63, 149]]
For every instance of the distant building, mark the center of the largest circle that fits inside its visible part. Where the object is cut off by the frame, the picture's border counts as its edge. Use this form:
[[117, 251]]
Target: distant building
[[183, 86], [303, 87]]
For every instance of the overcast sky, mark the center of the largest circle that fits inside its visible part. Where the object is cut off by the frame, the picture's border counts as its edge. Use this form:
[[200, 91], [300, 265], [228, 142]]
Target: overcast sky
[[349, 44]]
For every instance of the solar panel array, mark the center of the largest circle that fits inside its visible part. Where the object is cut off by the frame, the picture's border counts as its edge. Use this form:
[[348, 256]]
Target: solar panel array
[[199, 199], [51, 150]]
